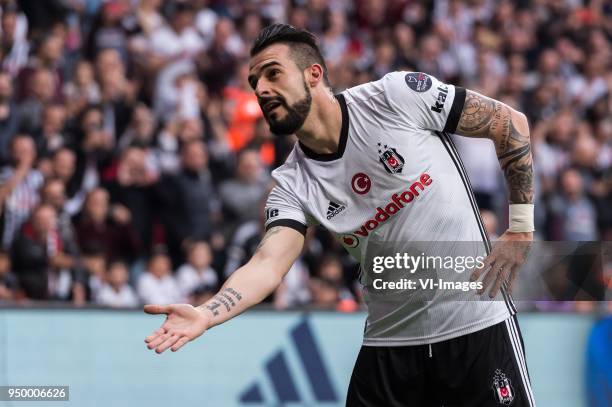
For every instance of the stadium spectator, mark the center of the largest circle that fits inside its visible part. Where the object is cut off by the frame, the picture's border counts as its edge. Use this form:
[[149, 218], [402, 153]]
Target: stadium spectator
[[40, 85], [293, 291], [8, 117], [93, 141], [205, 20], [242, 194], [43, 269], [29, 257], [148, 16], [116, 292], [217, 65], [19, 183], [245, 239], [201, 293], [173, 49], [82, 90], [63, 167], [335, 42], [43, 15], [101, 225], [572, 211], [91, 274], [132, 189], [196, 273], [108, 31], [240, 104], [53, 193], [270, 148], [48, 59], [140, 131], [324, 292], [15, 46], [117, 93], [157, 285], [328, 287], [188, 200], [50, 137], [243, 244]]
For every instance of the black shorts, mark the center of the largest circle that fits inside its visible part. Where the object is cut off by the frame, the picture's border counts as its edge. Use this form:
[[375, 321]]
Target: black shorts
[[481, 369]]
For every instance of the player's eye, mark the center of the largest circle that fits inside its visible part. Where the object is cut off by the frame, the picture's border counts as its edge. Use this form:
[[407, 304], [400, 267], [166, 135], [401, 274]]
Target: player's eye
[[273, 73]]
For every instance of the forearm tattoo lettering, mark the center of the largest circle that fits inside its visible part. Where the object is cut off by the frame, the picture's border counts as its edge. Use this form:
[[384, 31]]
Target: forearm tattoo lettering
[[228, 297]]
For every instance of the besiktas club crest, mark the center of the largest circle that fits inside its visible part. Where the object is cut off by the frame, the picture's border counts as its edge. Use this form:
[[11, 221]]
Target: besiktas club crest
[[390, 158], [502, 388]]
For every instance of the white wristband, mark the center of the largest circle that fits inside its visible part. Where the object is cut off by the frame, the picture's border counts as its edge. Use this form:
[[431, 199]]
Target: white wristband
[[521, 218]]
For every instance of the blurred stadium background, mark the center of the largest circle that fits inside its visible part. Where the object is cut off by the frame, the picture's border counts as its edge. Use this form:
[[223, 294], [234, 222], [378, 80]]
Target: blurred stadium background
[[135, 163]]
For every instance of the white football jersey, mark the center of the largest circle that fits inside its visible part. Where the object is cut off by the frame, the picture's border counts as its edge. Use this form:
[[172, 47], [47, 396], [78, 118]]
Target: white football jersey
[[395, 185]]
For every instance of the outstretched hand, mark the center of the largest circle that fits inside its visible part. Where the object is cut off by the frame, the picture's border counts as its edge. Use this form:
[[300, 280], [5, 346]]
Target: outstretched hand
[[183, 324], [507, 256]]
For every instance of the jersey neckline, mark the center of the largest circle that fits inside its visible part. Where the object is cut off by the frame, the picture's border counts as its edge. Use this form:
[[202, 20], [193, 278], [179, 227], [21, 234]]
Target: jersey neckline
[[343, 136]]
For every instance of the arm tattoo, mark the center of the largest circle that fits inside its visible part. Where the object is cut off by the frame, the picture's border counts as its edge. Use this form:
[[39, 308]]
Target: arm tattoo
[[212, 307], [267, 236], [228, 297], [485, 117], [477, 114]]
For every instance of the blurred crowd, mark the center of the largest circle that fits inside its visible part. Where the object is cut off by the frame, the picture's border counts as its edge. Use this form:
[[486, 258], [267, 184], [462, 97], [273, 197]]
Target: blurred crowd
[[135, 161]]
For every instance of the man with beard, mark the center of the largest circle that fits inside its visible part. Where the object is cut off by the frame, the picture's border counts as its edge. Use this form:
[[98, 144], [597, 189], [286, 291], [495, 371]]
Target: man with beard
[[375, 164]]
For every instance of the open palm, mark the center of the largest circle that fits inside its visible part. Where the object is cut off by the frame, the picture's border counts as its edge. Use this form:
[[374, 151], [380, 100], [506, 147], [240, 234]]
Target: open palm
[[183, 323]]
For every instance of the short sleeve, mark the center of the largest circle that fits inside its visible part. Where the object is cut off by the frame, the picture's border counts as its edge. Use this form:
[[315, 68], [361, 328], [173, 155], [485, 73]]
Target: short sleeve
[[424, 100], [284, 209]]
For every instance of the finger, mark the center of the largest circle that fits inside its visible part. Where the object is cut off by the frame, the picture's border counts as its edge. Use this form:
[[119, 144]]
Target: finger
[[478, 271], [157, 341], [501, 278], [180, 343], [170, 340], [490, 276], [156, 309], [513, 275], [155, 334]]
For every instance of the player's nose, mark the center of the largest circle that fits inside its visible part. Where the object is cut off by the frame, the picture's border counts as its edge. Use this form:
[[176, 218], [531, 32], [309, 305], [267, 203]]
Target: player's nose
[[263, 89]]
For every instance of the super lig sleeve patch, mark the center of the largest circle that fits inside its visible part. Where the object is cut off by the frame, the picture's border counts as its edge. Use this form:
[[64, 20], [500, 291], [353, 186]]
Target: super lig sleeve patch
[[418, 81]]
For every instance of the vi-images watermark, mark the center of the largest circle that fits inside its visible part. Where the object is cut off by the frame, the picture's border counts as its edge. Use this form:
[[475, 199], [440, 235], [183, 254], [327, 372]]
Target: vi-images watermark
[[411, 264]]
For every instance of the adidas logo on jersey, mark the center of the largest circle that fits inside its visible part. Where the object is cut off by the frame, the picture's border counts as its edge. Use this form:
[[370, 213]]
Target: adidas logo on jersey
[[333, 209]]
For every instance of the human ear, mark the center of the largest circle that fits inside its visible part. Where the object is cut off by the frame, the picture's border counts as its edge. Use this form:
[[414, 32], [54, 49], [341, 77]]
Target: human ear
[[315, 74]]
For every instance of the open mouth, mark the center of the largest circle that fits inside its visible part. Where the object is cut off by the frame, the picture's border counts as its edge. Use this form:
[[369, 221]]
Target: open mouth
[[270, 106]]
